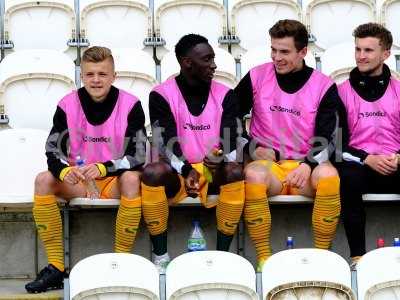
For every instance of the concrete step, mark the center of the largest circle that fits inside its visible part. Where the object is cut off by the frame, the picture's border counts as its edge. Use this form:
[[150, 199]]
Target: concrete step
[[14, 289]]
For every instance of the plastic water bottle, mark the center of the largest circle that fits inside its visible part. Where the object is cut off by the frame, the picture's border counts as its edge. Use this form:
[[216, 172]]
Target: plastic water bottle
[[380, 243], [196, 241], [289, 242], [396, 242], [91, 187]]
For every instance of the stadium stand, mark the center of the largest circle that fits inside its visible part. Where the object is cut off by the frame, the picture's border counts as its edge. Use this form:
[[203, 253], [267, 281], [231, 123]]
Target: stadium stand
[[16, 157], [175, 18], [116, 276], [124, 24], [323, 16], [390, 15], [27, 22], [35, 74], [210, 275], [302, 274], [31, 84], [250, 20], [378, 274]]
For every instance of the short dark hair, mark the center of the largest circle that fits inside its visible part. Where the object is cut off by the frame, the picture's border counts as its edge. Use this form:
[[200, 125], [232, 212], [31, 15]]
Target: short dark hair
[[290, 28], [188, 42], [377, 31]]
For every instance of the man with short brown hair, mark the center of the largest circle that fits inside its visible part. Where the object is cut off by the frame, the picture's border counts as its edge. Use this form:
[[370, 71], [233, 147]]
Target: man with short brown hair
[[291, 104], [371, 131]]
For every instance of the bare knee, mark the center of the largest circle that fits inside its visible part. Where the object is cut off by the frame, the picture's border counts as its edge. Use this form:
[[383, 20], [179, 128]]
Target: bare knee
[[323, 170], [130, 179], [154, 173], [233, 172], [45, 183], [256, 173], [129, 184]]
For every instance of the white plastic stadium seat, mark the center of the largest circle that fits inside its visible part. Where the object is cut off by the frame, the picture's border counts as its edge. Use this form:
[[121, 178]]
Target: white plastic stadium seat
[[31, 84], [390, 16], [119, 276], [225, 72], [332, 22], [251, 19], [306, 274], [210, 275], [175, 18], [39, 24], [22, 157], [338, 61], [135, 74], [116, 24], [262, 55], [378, 274]]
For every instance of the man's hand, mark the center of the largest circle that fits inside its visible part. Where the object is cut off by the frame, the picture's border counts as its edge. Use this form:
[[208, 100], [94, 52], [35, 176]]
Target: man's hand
[[90, 171], [192, 183], [212, 161], [298, 177], [74, 176], [262, 153], [383, 164]]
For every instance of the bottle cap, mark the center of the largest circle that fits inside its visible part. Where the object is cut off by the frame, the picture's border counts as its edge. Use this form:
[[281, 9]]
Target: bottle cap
[[380, 243]]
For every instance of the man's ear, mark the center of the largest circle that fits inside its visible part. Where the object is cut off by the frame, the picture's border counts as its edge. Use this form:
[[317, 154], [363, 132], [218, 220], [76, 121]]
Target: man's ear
[[186, 62]]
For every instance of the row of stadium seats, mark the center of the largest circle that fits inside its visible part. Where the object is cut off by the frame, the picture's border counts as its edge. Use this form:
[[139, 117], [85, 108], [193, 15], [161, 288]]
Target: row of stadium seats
[[36, 80], [207, 275], [136, 23]]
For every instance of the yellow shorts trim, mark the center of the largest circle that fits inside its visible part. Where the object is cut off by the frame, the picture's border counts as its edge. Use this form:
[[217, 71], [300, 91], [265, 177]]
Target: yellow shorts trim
[[105, 186], [280, 170]]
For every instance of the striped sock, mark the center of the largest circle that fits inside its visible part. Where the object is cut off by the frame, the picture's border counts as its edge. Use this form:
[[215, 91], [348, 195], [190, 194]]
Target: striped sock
[[155, 212], [49, 226], [326, 212], [258, 219], [229, 209], [127, 224]]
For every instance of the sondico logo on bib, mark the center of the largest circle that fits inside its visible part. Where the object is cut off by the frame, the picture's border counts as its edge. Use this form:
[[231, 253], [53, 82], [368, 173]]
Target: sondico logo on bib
[[100, 139], [279, 108], [196, 127], [369, 114]]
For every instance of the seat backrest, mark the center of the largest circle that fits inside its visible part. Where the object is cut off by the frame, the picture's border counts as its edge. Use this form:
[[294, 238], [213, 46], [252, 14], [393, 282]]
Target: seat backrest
[[175, 18], [116, 24], [323, 16], [135, 74], [210, 275], [251, 19], [114, 276], [27, 24], [22, 157], [31, 84], [378, 274], [225, 72], [390, 16], [338, 61], [306, 272]]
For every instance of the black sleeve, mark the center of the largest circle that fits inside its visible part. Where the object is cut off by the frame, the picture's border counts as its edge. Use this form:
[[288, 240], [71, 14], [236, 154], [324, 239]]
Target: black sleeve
[[56, 144], [326, 124], [343, 146], [164, 131], [229, 122], [135, 144], [244, 93]]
